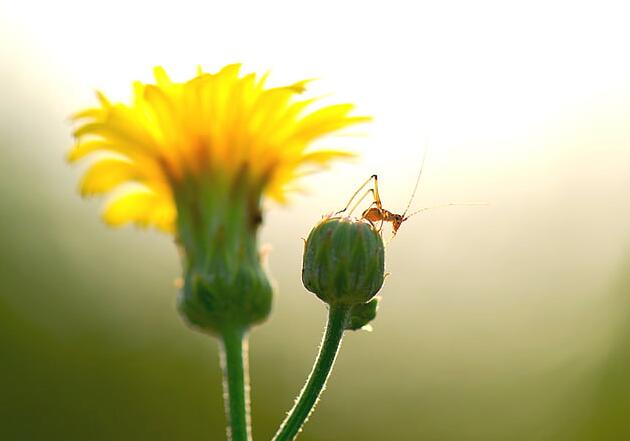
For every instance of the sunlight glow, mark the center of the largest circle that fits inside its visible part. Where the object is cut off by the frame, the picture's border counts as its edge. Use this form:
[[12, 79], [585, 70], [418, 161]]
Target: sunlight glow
[[479, 82]]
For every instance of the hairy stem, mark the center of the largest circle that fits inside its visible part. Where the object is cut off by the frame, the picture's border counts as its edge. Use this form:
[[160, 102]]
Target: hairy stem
[[316, 383], [234, 364]]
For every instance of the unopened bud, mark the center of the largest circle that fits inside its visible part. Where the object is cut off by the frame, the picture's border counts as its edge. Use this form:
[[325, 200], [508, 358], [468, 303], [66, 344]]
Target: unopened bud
[[344, 261]]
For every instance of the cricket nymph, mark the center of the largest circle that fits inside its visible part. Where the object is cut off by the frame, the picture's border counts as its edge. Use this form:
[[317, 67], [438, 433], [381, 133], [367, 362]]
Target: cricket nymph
[[375, 212]]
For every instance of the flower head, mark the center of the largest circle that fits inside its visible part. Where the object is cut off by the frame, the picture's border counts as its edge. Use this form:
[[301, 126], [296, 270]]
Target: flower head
[[214, 127], [344, 264], [344, 261], [195, 159]]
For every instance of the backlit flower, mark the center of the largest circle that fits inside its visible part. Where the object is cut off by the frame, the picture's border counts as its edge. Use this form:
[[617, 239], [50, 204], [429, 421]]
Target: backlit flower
[[195, 159], [214, 129]]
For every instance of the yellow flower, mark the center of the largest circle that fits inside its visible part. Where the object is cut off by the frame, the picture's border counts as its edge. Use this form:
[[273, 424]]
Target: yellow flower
[[195, 159], [212, 130]]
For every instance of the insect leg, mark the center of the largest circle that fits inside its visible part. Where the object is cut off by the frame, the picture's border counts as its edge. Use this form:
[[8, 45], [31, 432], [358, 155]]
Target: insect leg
[[357, 192], [377, 197], [380, 227], [354, 207]]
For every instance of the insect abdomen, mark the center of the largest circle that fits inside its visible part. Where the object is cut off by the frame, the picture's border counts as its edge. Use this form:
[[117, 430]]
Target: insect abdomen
[[373, 214]]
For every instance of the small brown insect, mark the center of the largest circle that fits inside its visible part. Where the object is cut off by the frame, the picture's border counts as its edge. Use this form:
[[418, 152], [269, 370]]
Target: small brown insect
[[375, 212]]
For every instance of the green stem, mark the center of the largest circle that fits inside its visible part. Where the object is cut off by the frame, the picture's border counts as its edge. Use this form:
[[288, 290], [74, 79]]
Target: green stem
[[236, 383], [337, 318]]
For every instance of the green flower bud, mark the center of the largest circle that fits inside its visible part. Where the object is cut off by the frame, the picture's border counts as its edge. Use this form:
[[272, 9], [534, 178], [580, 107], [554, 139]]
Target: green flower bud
[[361, 315], [344, 261]]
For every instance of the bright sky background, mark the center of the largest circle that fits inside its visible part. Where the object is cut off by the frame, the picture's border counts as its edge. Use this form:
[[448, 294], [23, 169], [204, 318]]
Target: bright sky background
[[448, 72], [513, 98]]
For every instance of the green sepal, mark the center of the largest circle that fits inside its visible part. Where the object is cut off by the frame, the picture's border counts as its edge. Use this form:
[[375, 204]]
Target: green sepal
[[361, 315], [225, 284], [214, 301]]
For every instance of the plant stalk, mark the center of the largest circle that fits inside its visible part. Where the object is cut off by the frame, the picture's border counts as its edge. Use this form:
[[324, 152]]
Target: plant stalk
[[316, 383], [234, 364]]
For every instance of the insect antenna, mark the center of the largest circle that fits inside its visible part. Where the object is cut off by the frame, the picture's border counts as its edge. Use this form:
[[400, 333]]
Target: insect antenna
[[454, 204], [415, 188]]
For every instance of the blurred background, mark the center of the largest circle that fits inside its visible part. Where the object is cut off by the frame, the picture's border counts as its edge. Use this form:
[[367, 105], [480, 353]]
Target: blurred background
[[509, 321]]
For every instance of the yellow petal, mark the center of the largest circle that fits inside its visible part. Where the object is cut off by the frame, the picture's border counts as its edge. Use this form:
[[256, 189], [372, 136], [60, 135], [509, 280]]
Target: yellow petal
[[299, 87], [102, 99], [94, 113], [161, 77], [84, 148], [324, 156], [107, 174], [230, 72], [326, 120], [142, 207], [119, 131], [163, 112]]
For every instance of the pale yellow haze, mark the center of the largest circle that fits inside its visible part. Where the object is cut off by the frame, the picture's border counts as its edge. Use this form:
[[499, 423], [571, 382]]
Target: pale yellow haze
[[523, 105]]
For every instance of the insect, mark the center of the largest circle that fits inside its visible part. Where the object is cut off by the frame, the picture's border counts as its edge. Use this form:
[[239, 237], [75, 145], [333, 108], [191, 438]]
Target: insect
[[376, 213]]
